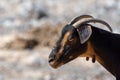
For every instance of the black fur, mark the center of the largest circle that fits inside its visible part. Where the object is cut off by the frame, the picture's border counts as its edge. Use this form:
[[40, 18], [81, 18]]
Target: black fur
[[107, 46]]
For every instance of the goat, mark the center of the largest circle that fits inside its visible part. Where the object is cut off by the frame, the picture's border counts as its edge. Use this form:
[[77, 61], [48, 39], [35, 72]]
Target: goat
[[82, 39]]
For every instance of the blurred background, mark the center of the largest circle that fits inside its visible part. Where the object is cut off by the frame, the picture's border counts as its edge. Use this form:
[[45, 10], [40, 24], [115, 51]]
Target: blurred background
[[30, 28]]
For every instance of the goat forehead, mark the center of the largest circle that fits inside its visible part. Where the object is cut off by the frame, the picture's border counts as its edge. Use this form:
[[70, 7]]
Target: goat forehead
[[62, 43], [66, 29], [62, 40], [63, 33], [65, 38]]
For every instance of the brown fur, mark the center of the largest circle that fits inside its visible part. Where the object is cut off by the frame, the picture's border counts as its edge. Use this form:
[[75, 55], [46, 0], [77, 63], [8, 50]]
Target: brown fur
[[91, 53], [64, 41]]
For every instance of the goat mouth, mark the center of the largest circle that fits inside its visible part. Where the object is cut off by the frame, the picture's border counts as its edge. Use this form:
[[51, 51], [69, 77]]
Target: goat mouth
[[55, 65], [60, 61]]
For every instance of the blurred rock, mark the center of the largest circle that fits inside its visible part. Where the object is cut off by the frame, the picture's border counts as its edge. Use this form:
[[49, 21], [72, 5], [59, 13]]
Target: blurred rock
[[27, 13], [32, 38], [29, 28], [33, 65]]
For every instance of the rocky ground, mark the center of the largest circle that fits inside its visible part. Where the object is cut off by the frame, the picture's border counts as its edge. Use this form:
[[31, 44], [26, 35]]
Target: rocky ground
[[33, 65], [29, 29]]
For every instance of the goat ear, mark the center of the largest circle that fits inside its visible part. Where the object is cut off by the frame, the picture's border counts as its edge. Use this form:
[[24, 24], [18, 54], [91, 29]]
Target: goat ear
[[84, 33]]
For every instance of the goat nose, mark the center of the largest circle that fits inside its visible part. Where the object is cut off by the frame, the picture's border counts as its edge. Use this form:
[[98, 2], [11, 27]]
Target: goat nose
[[52, 56], [51, 59]]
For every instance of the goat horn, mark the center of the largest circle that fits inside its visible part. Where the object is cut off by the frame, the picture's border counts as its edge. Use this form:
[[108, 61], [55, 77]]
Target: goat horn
[[79, 18], [95, 20]]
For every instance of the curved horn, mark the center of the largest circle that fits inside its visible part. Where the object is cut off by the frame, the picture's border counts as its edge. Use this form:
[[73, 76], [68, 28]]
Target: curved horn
[[95, 20], [79, 18]]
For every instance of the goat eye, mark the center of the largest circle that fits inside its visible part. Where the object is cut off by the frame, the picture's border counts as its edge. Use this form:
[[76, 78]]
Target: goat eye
[[70, 38]]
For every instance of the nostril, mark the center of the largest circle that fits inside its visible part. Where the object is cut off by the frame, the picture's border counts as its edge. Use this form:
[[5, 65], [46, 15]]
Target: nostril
[[51, 60], [52, 56]]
